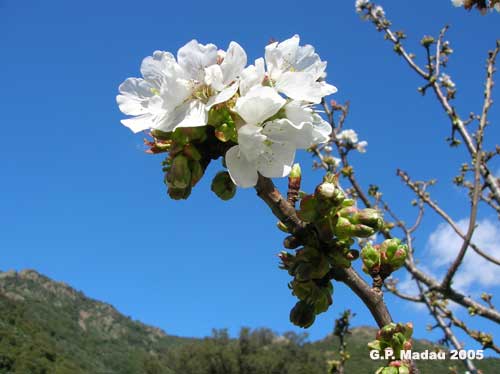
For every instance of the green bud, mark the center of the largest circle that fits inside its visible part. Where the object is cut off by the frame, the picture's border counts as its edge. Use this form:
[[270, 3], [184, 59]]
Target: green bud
[[339, 259], [223, 186], [321, 267], [303, 271], [362, 231], [282, 227], [194, 133], [323, 302], [179, 193], [161, 135], [369, 217], [191, 152], [348, 211], [180, 138], [303, 290], [427, 41], [348, 202], [302, 314], [307, 210], [196, 171], [330, 192], [179, 174], [371, 258], [344, 228], [387, 370], [296, 171], [393, 253], [375, 345], [398, 339], [325, 227], [226, 132], [403, 369]]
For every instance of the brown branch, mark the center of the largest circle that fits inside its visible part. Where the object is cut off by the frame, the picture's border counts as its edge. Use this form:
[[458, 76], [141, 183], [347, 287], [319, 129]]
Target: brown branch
[[491, 182], [287, 214], [450, 336], [474, 334], [423, 196], [372, 299]]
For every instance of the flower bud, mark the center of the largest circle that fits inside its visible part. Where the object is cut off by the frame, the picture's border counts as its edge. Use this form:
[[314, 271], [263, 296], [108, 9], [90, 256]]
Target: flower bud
[[302, 314], [371, 259], [282, 227], [303, 290], [321, 267], [179, 174], [362, 231], [296, 172], [194, 133], [393, 253], [344, 228], [427, 41], [369, 217], [307, 210], [191, 152], [348, 211], [303, 271], [327, 190], [388, 370], [287, 261], [196, 171], [323, 301], [161, 135], [223, 186], [226, 133], [179, 193], [330, 192]]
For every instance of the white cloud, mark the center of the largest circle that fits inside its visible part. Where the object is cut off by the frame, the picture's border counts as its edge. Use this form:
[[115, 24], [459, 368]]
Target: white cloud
[[444, 245]]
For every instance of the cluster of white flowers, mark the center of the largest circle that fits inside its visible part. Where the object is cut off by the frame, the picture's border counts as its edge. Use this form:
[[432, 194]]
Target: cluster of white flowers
[[271, 101], [350, 139]]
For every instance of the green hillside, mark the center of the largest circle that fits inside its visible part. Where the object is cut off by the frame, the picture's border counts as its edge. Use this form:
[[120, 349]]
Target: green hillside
[[48, 327]]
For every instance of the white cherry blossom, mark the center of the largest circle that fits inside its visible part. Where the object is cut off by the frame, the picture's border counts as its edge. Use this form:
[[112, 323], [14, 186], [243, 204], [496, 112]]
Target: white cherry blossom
[[297, 71], [179, 93]]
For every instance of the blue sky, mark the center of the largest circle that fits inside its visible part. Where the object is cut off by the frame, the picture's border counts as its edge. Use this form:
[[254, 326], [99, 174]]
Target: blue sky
[[81, 203]]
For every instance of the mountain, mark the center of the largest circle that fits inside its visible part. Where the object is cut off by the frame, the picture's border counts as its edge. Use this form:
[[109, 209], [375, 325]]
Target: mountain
[[48, 327]]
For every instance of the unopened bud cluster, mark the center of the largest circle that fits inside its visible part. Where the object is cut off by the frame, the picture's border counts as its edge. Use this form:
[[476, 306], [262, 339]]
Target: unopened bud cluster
[[396, 337], [383, 259], [190, 150], [337, 222]]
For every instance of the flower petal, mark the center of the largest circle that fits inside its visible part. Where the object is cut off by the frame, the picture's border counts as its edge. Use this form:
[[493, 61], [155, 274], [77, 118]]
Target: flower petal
[[195, 57], [280, 57], [283, 131], [154, 68], [297, 113], [321, 130], [223, 96], [139, 123], [214, 77], [234, 62], [251, 76], [242, 172], [303, 86], [251, 141], [259, 104], [277, 161], [134, 96], [190, 114]]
